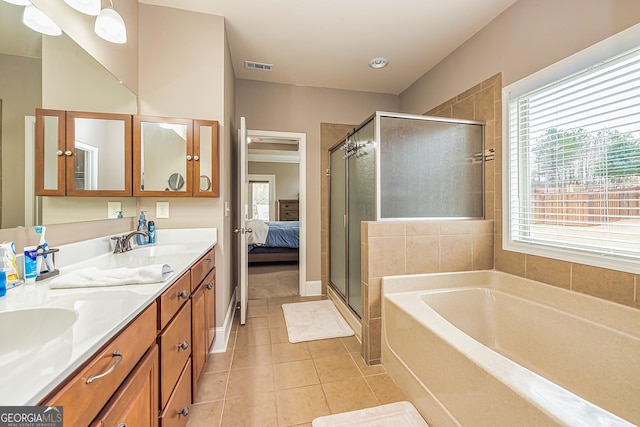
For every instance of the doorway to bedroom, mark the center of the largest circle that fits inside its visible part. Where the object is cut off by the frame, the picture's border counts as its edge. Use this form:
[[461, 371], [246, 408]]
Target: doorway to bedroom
[[276, 258]]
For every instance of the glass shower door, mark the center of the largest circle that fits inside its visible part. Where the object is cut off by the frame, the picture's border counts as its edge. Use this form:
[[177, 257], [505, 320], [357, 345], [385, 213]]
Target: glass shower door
[[337, 229]]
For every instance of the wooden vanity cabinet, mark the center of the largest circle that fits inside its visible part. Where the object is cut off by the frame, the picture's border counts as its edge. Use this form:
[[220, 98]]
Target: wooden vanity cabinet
[[174, 157], [136, 402], [87, 392]]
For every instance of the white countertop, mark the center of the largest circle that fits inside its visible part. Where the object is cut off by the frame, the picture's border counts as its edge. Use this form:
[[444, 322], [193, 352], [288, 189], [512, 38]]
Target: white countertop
[[30, 372]]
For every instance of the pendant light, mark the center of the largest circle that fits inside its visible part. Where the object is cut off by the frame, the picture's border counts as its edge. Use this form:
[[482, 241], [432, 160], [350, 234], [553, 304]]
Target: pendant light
[[35, 19], [110, 26], [88, 7]]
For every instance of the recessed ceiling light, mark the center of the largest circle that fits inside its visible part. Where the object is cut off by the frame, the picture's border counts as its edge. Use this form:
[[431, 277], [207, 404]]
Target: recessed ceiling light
[[378, 62]]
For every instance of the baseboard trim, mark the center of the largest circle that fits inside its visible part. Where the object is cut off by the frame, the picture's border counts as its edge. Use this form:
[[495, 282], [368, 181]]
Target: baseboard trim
[[313, 288], [223, 332]]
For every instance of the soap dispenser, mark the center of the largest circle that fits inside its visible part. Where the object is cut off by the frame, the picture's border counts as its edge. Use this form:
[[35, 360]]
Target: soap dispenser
[[142, 226]]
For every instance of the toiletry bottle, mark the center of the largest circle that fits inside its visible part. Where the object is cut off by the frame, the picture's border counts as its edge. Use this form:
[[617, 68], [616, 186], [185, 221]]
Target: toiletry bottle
[[152, 232], [41, 247], [30, 264], [3, 283], [142, 226]]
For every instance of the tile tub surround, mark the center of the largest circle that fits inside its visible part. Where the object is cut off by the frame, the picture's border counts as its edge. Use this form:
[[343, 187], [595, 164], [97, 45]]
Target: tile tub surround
[[392, 248], [102, 312], [491, 348]]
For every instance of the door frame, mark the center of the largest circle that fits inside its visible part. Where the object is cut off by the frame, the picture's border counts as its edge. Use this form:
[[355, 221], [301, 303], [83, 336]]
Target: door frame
[[302, 186]]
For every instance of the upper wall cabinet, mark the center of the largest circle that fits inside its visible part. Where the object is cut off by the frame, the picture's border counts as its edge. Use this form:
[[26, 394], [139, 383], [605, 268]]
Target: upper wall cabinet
[[175, 157], [83, 154]]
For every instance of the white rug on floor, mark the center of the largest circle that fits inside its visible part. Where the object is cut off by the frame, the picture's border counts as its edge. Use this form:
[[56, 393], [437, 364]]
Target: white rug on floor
[[314, 320], [391, 415]]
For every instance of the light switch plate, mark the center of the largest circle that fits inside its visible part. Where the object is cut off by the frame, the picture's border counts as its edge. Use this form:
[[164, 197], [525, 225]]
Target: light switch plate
[[113, 208], [162, 209]]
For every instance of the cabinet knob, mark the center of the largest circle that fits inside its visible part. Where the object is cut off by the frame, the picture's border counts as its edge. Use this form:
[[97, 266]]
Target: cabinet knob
[[210, 285], [183, 345], [196, 158], [184, 294], [59, 153], [188, 157], [68, 153], [122, 425], [184, 411]]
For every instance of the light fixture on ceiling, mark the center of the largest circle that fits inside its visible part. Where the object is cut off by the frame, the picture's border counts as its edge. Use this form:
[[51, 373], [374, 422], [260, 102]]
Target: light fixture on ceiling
[[88, 7], [378, 62], [36, 19], [19, 2], [110, 26]]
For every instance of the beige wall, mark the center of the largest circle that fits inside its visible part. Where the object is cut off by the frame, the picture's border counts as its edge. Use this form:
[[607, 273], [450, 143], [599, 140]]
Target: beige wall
[[287, 182], [190, 79], [21, 87], [527, 37], [288, 108]]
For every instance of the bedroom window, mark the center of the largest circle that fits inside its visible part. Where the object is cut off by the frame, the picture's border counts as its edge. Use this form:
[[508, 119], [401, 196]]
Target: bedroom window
[[259, 200], [572, 159]]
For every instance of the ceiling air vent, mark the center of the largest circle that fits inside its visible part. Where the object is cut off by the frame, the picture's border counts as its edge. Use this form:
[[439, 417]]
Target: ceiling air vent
[[258, 66]]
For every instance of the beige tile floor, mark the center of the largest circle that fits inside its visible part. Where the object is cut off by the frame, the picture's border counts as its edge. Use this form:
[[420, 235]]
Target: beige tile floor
[[263, 380]]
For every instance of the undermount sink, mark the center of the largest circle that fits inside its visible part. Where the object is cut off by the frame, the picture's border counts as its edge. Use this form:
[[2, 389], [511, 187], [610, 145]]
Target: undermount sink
[[31, 330]]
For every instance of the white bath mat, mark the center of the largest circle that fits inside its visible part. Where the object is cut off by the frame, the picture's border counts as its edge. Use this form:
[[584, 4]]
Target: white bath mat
[[314, 320], [391, 415]]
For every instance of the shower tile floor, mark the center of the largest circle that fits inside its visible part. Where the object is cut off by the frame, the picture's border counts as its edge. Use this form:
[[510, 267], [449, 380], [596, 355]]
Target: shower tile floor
[[263, 380]]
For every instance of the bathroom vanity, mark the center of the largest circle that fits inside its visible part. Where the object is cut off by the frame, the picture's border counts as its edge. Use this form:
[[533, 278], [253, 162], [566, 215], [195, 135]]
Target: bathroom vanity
[[124, 355]]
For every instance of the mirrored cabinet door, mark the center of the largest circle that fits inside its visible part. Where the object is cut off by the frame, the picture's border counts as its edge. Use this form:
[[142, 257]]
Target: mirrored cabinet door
[[99, 154], [50, 148], [162, 156], [205, 147]]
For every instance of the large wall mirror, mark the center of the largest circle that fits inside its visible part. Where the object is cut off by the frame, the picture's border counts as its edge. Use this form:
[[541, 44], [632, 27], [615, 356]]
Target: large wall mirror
[[49, 72]]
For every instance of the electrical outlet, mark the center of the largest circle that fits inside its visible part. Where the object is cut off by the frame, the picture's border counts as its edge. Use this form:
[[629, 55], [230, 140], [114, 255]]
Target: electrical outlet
[[162, 209], [113, 208]]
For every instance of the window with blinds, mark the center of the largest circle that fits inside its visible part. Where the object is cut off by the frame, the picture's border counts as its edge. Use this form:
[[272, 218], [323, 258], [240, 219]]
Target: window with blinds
[[573, 164]]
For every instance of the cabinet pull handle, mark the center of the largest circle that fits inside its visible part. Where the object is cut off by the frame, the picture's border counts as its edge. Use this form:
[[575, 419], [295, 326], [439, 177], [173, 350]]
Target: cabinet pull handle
[[184, 294], [184, 411], [210, 285], [208, 260], [59, 153], [196, 158], [183, 345], [122, 425], [68, 153], [188, 157], [117, 362]]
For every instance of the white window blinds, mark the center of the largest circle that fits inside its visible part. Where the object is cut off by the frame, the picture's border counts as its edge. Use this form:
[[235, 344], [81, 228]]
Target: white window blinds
[[574, 161]]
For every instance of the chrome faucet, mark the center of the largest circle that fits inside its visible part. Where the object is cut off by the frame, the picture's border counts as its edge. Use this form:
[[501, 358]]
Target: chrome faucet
[[123, 243]]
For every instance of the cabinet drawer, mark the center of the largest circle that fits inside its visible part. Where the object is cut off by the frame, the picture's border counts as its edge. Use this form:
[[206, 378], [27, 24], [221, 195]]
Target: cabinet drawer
[[136, 402], [87, 392], [176, 413], [175, 349], [173, 298], [201, 268]]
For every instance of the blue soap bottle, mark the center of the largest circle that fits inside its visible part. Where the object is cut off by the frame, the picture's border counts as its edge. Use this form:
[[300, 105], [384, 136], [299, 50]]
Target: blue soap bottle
[[152, 232], [142, 226]]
